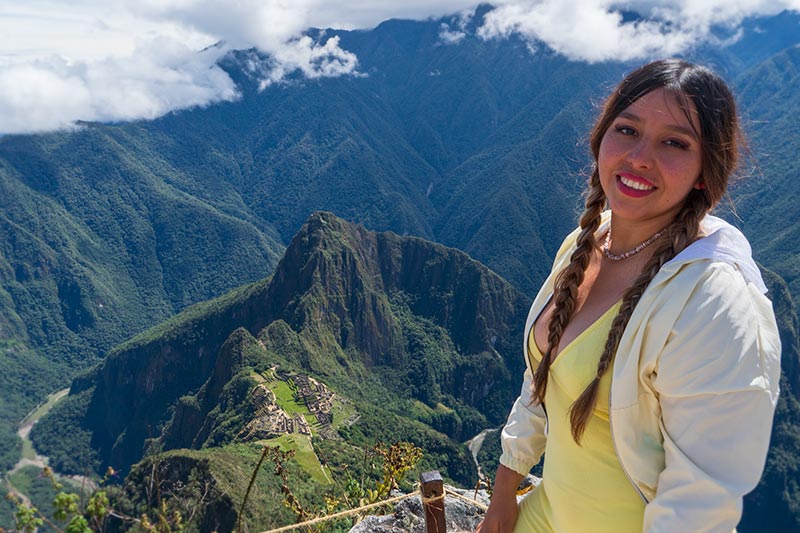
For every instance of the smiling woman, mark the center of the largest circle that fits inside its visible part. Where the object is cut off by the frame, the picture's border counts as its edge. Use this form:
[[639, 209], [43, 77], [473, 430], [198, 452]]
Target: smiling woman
[[647, 354], [649, 161]]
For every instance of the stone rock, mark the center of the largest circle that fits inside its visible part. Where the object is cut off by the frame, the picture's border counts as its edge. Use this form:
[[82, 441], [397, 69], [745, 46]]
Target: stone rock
[[408, 516]]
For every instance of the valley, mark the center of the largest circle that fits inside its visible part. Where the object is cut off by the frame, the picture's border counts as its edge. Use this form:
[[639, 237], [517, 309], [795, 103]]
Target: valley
[[327, 264]]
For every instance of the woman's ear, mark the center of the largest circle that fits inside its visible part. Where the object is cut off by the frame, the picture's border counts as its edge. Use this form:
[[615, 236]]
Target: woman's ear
[[700, 184]]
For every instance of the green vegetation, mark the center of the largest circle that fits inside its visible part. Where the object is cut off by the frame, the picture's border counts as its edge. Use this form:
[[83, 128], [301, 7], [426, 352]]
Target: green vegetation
[[38, 488], [285, 395], [304, 455], [189, 323], [414, 390], [765, 200], [489, 456], [7, 507], [65, 439], [201, 492], [113, 229], [10, 448], [25, 376]]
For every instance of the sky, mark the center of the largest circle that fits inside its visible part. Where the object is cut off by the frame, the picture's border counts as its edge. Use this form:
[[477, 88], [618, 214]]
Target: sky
[[118, 60]]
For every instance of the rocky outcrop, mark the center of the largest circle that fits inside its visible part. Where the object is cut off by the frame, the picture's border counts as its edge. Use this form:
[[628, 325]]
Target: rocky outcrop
[[342, 301], [461, 515], [409, 515]]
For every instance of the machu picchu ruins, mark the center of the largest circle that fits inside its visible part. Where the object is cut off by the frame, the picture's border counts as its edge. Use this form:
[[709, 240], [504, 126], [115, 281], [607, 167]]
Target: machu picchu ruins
[[270, 420]]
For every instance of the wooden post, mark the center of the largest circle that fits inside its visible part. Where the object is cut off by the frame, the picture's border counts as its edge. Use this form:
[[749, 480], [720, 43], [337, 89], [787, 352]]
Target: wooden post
[[433, 501]]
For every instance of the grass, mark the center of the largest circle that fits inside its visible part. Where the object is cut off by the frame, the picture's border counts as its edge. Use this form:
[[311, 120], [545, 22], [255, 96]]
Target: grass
[[285, 396], [305, 455], [442, 408], [27, 450]]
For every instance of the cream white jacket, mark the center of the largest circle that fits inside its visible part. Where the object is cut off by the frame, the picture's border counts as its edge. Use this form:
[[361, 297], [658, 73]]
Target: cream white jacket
[[693, 390]]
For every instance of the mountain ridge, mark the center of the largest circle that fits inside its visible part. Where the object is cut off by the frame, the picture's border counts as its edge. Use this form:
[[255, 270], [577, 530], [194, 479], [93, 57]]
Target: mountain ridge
[[110, 229], [352, 302]]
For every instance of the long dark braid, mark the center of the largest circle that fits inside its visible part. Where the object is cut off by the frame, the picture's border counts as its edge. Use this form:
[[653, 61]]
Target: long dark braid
[[683, 231], [700, 91], [565, 293]]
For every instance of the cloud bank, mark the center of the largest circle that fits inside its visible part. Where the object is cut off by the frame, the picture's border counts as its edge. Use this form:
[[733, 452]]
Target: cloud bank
[[596, 30], [160, 76], [119, 60]]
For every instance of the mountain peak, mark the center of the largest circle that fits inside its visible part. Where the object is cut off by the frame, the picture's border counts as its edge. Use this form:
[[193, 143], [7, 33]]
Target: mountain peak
[[345, 303]]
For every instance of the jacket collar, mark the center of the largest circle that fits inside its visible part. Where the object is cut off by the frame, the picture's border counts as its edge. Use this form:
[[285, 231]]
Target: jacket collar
[[722, 242]]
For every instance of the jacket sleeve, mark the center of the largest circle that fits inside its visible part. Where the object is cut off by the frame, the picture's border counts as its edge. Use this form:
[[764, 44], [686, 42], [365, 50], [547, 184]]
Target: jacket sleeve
[[717, 383], [523, 437]]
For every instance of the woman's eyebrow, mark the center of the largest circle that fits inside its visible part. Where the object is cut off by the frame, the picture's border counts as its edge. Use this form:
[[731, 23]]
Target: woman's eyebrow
[[677, 128]]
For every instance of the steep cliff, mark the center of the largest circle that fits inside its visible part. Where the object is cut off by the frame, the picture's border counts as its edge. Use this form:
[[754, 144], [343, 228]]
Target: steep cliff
[[419, 339]]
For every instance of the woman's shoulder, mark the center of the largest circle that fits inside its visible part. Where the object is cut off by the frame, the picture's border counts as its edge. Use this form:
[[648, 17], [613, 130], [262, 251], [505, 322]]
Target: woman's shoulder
[[724, 252], [711, 287]]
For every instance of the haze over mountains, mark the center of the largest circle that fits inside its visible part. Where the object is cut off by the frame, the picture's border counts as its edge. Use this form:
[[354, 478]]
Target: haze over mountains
[[478, 145]]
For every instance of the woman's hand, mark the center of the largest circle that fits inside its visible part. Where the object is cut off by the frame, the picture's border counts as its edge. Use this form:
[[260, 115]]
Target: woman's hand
[[502, 513], [501, 516]]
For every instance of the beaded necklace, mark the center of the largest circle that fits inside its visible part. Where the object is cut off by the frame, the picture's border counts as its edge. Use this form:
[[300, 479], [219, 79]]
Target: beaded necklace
[[606, 248]]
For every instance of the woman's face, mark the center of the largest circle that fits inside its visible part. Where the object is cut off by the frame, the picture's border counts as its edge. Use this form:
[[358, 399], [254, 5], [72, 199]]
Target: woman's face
[[649, 160]]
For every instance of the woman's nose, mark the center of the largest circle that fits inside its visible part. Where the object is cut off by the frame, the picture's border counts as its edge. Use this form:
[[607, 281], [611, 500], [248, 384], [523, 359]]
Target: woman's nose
[[641, 154]]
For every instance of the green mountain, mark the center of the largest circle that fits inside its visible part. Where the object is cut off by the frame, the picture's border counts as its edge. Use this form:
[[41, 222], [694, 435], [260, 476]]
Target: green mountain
[[99, 239], [113, 228], [775, 504], [404, 339], [766, 202]]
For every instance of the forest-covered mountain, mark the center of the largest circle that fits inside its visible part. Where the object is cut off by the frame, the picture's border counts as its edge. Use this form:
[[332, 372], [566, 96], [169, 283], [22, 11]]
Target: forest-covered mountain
[[411, 340], [480, 145]]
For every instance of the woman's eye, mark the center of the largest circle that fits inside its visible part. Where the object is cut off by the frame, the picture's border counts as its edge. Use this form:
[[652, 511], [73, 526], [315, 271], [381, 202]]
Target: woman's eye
[[676, 143], [626, 130]]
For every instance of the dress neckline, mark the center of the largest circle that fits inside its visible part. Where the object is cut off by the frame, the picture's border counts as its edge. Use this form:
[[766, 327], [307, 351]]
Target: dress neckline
[[582, 334]]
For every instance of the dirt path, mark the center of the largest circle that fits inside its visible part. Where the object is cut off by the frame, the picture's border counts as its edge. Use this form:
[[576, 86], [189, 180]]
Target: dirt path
[[474, 445]]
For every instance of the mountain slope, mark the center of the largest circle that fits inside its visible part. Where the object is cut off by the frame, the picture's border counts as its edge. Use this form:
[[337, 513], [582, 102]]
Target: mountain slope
[[110, 229], [94, 246], [775, 504], [767, 201], [405, 329]]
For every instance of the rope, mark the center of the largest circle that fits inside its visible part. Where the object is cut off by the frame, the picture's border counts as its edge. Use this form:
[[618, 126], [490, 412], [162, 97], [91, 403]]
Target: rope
[[431, 499], [476, 503], [346, 513], [378, 504]]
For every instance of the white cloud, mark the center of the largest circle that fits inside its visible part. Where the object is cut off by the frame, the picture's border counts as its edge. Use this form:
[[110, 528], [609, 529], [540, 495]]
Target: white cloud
[[594, 30], [125, 59], [160, 76], [449, 36], [314, 60]]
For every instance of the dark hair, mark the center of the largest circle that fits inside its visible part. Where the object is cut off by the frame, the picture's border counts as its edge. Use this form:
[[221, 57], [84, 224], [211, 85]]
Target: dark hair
[[719, 133], [720, 139]]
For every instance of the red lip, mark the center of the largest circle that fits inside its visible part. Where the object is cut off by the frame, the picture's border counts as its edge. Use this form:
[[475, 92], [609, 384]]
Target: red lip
[[630, 191]]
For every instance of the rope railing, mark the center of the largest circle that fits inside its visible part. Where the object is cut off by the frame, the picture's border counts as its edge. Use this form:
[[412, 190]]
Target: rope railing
[[349, 512], [431, 493], [471, 501]]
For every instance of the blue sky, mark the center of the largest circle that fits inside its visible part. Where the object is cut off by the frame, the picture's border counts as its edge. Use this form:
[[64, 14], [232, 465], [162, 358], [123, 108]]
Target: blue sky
[[123, 59]]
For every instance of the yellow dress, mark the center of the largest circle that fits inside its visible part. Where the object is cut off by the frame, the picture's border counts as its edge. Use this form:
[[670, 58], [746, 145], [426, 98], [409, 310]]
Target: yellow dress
[[584, 488]]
